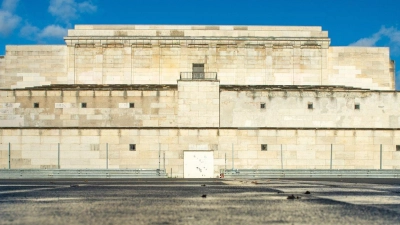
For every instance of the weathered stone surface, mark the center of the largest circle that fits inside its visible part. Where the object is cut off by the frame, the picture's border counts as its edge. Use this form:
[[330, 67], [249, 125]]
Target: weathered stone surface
[[124, 96], [241, 55]]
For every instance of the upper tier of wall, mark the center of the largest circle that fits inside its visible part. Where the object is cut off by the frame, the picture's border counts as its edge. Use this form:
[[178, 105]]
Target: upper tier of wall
[[240, 55]]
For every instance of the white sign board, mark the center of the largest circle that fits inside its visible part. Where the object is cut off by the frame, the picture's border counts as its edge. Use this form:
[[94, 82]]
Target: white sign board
[[198, 164]]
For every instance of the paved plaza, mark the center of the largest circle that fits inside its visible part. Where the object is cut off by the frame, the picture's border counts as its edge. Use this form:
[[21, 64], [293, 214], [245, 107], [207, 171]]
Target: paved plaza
[[211, 201]]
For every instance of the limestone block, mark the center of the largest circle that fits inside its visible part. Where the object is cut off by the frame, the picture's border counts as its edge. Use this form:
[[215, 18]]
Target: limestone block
[[247, 154], [30, 139], [383, 140], [49, 139]]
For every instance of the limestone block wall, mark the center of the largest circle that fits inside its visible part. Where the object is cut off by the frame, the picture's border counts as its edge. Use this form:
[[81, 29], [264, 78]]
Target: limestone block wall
[[360, 67], [291, 109], [3, 80], [161, 62], [241, 55], [198, 104], [236, 62], [88, 64], [301, 149], [146, 62], [168, 31], [27, 66], [63, 108], [109, 63]]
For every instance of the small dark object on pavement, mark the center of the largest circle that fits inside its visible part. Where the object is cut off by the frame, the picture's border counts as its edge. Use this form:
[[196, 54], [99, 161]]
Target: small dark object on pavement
[[280, 192], [204, 196], [307, 193], [203, 185], [298, 197], [291, 197], [74, 185]]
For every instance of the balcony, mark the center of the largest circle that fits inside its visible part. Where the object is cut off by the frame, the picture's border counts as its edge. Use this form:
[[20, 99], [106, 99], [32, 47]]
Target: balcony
[[198, 76]]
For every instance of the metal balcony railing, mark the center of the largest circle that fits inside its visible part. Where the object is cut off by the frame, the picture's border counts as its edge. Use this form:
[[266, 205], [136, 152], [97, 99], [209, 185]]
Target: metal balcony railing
[[198, 76]]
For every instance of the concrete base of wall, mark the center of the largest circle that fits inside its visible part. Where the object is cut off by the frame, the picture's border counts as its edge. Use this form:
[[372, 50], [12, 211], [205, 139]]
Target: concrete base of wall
[[249, 173], [71, 173]]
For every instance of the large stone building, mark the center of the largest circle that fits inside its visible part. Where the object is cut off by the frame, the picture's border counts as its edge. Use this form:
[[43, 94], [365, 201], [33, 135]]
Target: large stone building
[[199, 99]]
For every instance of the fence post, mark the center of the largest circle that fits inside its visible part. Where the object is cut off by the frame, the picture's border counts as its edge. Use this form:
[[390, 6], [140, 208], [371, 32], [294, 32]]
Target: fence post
[[380, 165], [233, 164], [9, 155], [159, 156], [106, 155], [281, 158], [164, 160], [225, 160], [331, 157], [58, 163]]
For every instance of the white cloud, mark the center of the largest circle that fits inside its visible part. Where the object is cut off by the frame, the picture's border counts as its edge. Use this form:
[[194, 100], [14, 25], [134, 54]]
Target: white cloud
[[369, 41], [393, 34], [86, 7], [50, 32], [66, 10], [53, 31], [8, 20], [9, 5], [30, 32]]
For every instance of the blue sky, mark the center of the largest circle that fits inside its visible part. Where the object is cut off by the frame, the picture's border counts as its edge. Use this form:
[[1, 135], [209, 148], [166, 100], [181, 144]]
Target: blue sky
[[349, 22]]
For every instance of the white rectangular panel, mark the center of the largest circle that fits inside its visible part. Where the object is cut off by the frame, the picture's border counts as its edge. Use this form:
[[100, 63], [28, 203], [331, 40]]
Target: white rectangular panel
[[198, 164]]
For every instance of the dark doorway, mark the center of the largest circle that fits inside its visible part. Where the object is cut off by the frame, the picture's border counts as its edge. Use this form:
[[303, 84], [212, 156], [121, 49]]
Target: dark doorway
[[198, 71]]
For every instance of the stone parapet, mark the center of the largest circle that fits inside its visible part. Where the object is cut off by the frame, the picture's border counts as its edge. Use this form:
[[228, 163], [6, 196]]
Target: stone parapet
[[195, 31]]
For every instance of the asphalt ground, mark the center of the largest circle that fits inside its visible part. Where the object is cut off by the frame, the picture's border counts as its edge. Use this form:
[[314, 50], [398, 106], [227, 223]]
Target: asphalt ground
[[190, 201]]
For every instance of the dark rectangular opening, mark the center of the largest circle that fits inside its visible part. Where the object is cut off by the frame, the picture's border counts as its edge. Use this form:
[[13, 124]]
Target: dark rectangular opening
[[397, 147], [132, 147], [198, 71], [310, 105], [357, 106], [262, 105], [264, 147], [83, 105], [131, 105], [36, 105]]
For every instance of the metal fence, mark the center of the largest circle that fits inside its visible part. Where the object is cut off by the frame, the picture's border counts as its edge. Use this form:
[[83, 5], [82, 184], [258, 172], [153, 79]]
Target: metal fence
[[198, 76], [269, 173], [81, 173]]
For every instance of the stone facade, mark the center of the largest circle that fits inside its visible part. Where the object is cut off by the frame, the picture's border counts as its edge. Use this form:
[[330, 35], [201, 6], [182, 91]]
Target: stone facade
[[255, 97], [301, 149], [200, 104], [241, 55]]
